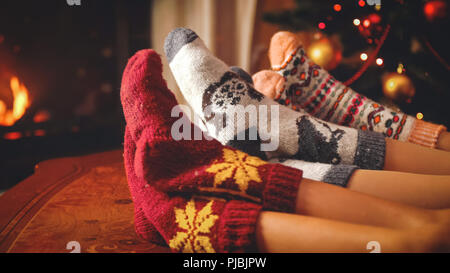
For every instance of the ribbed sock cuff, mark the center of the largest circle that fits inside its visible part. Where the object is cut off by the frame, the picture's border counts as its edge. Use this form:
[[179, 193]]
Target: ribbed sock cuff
[[238, 227], [339, 175], [426, 133], [280, 193], [370, 151]]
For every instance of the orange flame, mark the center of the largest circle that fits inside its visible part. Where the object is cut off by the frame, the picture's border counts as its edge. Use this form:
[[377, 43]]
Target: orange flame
[[20, 104]]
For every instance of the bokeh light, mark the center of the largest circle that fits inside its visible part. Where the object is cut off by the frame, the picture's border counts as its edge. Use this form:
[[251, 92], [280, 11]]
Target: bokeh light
[[363, 56]]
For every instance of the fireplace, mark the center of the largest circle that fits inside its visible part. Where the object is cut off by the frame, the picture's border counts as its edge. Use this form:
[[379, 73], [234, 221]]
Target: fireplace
[[60, 72]]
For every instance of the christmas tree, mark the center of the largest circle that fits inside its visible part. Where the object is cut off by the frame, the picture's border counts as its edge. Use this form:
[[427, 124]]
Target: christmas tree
[[392, 51]]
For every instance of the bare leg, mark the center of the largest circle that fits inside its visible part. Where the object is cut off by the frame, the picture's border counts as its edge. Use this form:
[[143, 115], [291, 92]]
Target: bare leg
[[444, 141], [331, 202], [419, 190], [281, 232], [408, 157]]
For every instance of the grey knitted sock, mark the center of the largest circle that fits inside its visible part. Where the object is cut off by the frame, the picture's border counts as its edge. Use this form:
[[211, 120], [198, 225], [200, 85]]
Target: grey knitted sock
[[242, 74], [332, 174], [217, 94]]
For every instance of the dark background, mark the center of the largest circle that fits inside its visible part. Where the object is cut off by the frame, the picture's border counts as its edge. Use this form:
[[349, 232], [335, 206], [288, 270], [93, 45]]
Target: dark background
[[408, 23], [71, 59]]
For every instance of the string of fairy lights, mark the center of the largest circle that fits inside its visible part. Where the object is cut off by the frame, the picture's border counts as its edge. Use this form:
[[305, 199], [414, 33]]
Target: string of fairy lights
[[394, 82]]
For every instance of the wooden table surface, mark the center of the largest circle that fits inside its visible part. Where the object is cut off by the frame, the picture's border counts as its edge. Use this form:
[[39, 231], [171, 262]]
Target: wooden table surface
[[80, 201]]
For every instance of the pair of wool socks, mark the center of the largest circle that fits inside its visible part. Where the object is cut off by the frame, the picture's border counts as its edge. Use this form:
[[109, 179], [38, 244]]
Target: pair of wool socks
[[196, 195], [216, 94], [296, 82]]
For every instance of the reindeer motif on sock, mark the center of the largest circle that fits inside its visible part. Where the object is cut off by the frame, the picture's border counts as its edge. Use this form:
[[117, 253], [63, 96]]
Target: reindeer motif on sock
[[319, 143]]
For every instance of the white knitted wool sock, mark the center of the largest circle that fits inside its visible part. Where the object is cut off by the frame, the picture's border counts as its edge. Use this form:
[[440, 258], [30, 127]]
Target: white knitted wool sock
[[213, 90], [333, 174]]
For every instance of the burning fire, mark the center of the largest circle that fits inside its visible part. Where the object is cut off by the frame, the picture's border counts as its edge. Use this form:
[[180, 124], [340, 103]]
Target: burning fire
[[20, 103]]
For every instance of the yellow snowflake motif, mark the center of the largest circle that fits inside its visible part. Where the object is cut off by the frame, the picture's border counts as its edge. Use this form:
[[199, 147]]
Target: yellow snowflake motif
[[193, 223], [241, 164]]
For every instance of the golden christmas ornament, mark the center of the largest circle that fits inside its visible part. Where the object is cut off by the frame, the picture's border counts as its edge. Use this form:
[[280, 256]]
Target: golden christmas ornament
[[322, 50], [398, 87]]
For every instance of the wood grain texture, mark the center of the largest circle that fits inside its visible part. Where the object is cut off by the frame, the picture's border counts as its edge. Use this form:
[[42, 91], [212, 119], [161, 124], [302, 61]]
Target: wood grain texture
[[84, 199]]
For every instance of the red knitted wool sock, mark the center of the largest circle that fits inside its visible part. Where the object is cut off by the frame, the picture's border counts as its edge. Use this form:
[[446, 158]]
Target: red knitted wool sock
[[145, 229], [186, 223], [188, 165], [164, 174]]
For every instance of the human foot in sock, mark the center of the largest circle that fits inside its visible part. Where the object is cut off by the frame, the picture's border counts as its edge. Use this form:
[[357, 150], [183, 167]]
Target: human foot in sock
[[164, 174], [230, 225], [300, 84], [186, 223], [193, 166], [216, 94]]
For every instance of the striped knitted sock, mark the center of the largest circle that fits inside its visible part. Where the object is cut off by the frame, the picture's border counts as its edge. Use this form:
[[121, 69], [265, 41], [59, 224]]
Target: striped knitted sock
[[301, 84], [217, 94]]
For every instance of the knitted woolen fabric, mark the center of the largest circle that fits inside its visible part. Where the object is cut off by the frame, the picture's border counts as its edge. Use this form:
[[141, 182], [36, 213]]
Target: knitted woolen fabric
[[186, 223], [198, 195], [333, 174], [303, 85], [216, 94]]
